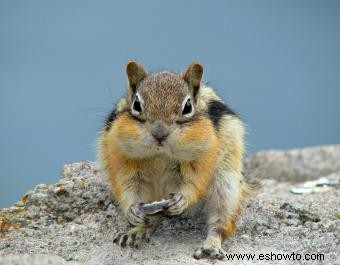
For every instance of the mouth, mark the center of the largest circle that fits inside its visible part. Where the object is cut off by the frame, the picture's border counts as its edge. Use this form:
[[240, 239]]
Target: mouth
[[160, 147]]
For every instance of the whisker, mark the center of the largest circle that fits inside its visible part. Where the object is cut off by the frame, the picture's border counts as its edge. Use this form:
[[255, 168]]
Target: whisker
[[94, 112]]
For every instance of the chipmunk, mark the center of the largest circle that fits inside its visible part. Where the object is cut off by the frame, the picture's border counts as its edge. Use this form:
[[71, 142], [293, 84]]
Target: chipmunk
[[171, 137]]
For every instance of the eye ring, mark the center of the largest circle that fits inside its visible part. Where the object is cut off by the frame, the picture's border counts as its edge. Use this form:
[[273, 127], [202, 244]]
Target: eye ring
[[136, 107], [187, 108]]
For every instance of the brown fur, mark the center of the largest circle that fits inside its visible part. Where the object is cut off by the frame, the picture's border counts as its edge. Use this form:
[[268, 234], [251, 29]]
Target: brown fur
[[199, 162]]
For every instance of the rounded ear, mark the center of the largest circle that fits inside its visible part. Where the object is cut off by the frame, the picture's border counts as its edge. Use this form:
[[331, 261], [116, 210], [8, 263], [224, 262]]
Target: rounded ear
[[136, 73], [193, 76]]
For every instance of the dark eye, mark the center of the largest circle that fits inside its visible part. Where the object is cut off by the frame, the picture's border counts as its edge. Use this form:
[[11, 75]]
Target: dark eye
[[187, 107], [136, 105]]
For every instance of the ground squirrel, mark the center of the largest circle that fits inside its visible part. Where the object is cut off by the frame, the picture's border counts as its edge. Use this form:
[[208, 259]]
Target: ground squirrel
[[173, 138]]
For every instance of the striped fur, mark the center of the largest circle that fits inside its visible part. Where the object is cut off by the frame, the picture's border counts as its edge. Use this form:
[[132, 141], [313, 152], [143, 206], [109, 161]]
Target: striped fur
[[201, 158]]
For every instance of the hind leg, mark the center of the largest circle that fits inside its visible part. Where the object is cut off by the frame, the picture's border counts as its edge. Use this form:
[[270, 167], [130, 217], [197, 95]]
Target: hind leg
[[222, 206]]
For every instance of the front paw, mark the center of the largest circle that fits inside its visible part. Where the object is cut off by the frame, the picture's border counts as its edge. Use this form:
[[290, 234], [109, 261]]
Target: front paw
[[136, 216], [178, 204], [133, 237]]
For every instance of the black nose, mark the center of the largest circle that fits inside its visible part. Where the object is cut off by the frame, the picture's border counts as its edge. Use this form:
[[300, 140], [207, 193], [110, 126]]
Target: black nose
[[160, 132]]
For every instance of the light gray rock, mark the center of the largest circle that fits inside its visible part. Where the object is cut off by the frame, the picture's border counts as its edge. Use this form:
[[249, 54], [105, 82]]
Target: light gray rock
[[27, 259], [295, 165], [76, 219]]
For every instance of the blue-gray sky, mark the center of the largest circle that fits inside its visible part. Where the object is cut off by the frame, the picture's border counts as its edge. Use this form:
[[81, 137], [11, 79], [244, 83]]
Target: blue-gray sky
[[62, 64]]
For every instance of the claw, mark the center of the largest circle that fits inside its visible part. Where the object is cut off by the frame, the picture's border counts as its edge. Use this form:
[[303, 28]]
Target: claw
[[130, 240], [198, 253], [178, 204], [209, 252], [117, 236], [122, 240], [138, 241], [133, 237]]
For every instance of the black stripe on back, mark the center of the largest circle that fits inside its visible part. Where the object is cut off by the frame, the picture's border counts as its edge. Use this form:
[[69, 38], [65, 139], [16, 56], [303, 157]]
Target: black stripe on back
[[216, 110], [112, 116]]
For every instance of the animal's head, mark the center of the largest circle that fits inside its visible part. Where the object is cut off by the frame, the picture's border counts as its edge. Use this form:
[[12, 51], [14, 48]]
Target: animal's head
[[161, 115]]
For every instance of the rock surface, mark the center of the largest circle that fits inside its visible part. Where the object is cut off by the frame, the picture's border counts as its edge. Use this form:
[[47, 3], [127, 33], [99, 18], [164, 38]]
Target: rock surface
[[295, 165], [27, 259], [74, 220]]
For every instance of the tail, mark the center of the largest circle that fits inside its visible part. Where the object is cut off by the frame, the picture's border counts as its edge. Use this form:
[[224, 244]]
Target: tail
[[251, 186]]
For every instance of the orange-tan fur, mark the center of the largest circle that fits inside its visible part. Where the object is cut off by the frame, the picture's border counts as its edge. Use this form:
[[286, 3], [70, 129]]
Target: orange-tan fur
[[120, 167], [201, 162]]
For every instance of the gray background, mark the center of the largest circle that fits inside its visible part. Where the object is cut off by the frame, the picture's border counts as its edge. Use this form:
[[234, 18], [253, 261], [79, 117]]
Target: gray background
[[62, 69]]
